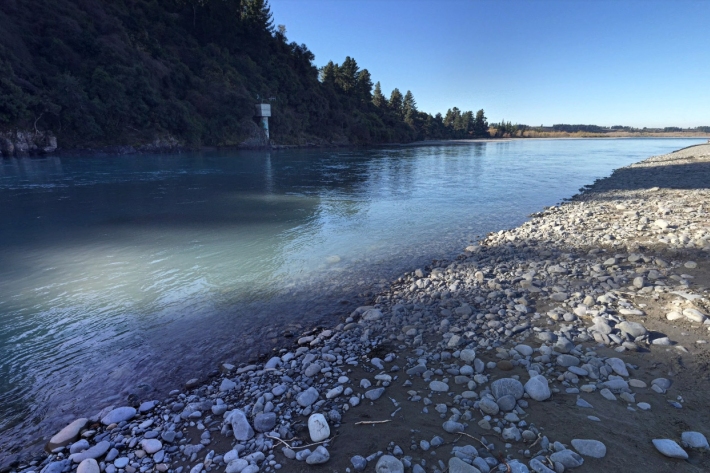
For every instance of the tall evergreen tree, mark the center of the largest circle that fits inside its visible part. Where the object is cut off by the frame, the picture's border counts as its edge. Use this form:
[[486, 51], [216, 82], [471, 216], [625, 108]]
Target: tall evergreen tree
[[257, 14], [409, 104], [378, 99], [480, 124], [329, 73], [364, 85], [347, 75], [396, 102]]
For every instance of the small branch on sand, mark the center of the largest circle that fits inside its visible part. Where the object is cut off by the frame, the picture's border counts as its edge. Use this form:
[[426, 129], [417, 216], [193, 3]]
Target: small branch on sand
[[370, 422], [301, 446], [476, 439]]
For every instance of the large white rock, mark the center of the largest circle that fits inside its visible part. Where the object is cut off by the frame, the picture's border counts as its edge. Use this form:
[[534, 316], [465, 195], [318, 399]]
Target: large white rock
[[119, 415], [318, 427], [670, 448], [538, 388], [389, 464], [67, 435], [240, 425], [694, 440]]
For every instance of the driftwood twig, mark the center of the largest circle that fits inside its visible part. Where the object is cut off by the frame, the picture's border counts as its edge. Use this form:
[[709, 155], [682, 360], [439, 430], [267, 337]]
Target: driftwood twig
[[369, 422], [301, 446]]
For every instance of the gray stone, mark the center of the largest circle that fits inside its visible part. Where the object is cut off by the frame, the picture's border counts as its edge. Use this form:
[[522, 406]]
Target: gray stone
[[670, 448], [236, 466], [374, 394], [452, 427], [662, 383], [506, 403], [567, 360], [694, 440], [589, 448], [467, 355], [320, 455], [694, 315], [456, 465], [88, 466], [568, 458], [227, 385], [264, 422], [79, 446], [119, 415], [307, 397], [616, 385], [389, 464], [312, 370], [359, 463], [539, 467], [240, 425], [96, 451], [56, 467], [151, 445], [507, 386], [489, 406], [524, 350], [537, 388], [120, 462], [634, 329], [438, 386], [67, 435], [318, 427], [618, 366]]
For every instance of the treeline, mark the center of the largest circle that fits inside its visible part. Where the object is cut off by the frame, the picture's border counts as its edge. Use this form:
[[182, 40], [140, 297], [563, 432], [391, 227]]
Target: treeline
[[108, 72]]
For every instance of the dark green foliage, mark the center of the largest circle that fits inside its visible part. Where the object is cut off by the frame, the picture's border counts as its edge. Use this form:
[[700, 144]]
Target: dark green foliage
[[108, 72]]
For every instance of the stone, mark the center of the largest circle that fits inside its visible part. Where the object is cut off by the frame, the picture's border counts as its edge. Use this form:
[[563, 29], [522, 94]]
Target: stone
[[120, 462], [589, 447], [537, 388], [568, 458], [94, 452], [88, 466], [118, 415], [506, 403], [240, 425], [524, 350], [694, 440], [318, 427], [79, 446], [488, 406], [662, 383], [694, 315], [567, 360], [151, 446], [670, 448], [452, 427], [320, 455], [307, 397], [227, 385], [507, 386], [264, 421], [147, 406], [374, 394], [389, 464], [456, 465], [618, 366], [467, 355], [539, 467], [67, 435], [634, 329], [439, 386], [359, 463], [236, 466]]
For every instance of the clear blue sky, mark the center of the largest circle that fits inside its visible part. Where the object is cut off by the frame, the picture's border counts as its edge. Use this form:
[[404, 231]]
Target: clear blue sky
[[637, 63]]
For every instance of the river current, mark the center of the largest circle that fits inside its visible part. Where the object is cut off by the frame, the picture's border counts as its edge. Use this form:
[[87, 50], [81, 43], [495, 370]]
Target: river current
[[131, 274]]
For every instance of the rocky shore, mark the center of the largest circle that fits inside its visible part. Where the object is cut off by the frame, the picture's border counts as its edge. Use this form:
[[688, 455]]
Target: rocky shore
[[577, 341]]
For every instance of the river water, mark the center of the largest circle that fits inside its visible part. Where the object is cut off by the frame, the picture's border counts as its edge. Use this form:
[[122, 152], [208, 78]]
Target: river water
[[131, 274]]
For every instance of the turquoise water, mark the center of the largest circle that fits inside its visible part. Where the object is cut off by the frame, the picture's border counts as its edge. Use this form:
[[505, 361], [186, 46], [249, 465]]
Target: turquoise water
[[132, 274]]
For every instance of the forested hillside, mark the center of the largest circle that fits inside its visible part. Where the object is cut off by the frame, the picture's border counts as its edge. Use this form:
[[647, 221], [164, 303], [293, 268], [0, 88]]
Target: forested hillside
[[127, 72]]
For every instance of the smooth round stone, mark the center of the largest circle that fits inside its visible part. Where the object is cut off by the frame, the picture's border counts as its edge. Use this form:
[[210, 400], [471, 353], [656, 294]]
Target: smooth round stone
[[118, 415], [318, 427], [307, 397], [507, 386], [618, 366], [467, 355], [230, 456], [694, 440], [120, 462], [452, 427], [505, 365], [524, 350], [506, 403], [456, 465], [634, 329], [691, 264], [374, 394], [567, 360], [264, 422], [568, 458], [320, 455], [489, 406], [644, 406], [578, 371], [589, 448], [389, 464], [359, 463], [312, 370], [538, 388], [674, 315], [88, 466], [227, 385], [662, 341], [637, 383], [439, 386], [670, 448], [694, 315], [240, 425], [236, 466], [151, 446], [79, 446], [67, 435], [662, 383]]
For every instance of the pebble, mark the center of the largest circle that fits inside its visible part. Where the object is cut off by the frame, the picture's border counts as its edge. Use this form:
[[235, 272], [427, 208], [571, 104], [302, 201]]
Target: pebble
[[318, 427], [389, 464], [67, 435], [438, 386], [537, 388], [308, 397], [120, 414], [88, 466], [589, 448], [320, 455], [670, 448], [694, 440]]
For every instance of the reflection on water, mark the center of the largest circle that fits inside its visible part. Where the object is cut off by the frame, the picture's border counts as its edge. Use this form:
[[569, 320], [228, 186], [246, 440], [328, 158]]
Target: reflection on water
[[132, 274]]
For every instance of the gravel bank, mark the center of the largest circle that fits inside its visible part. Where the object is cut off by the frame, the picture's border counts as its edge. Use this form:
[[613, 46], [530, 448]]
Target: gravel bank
[[577, 340]]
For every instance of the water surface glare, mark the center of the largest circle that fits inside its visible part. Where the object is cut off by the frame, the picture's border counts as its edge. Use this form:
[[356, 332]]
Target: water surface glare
[[132, 274]]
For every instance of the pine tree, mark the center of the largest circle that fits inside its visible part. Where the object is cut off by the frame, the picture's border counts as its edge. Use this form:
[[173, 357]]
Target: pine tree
[[480, 124], [328, 73], [410, 107], [396, 102], [377, 98], [347, 75], [257, 14], [364, 86]]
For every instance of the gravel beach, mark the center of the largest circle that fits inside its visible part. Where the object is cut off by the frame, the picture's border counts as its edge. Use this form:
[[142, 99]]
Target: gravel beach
[[577, 341]]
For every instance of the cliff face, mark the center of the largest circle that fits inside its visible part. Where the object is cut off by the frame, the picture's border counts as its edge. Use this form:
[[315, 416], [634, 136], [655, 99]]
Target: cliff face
[[26, 143]]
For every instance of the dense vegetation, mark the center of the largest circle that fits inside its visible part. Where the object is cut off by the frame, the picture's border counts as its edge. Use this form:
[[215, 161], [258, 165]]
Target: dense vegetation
[[107, 72]]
